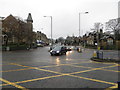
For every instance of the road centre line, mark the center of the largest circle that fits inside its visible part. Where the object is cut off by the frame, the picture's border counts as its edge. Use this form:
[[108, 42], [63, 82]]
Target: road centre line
[[13, 84]]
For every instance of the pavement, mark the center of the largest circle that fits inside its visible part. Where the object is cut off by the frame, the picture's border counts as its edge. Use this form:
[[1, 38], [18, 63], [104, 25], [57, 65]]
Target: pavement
[[107, 56], [37, 69]]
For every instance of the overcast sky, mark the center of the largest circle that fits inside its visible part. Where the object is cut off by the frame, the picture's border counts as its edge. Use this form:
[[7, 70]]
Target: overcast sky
[[65, 14]]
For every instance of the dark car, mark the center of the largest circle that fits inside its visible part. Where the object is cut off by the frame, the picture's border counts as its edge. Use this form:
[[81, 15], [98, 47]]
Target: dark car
[[68, 49], [58, 50]]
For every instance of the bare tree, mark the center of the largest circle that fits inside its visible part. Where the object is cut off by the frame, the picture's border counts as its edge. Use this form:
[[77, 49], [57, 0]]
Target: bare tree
[[98, 26], [111, 25]]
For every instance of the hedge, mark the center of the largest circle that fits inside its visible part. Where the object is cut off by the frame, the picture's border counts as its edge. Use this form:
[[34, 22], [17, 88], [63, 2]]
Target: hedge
[[15, 47]]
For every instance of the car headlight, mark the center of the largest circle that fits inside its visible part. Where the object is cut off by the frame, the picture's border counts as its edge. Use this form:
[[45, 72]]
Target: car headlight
[[58, 51]]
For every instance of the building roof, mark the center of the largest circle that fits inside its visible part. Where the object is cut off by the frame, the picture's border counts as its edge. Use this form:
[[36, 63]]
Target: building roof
[[29, 19]]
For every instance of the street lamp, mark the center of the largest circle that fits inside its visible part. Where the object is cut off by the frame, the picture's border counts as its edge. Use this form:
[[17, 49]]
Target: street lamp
[[51, 29], [79, 22]]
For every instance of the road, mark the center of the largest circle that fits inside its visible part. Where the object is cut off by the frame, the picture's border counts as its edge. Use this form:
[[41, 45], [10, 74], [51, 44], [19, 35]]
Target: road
[[36, 68]]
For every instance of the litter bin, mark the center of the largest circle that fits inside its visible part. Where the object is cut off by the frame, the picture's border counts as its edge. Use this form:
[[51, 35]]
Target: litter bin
[[99, 54]]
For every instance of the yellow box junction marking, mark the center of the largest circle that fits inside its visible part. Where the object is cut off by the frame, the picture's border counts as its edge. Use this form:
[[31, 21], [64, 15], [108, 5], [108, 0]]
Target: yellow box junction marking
[[93, 79], [16, 70], [28, 67], [62, 74], [112, 87], [13, 84], [38, 79]]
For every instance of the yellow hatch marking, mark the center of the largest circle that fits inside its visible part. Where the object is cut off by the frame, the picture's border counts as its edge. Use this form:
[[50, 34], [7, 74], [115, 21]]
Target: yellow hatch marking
[[13, 84]]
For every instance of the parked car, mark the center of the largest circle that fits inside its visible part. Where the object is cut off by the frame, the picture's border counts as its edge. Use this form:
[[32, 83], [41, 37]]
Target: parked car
[[58, 50], [40, 45]]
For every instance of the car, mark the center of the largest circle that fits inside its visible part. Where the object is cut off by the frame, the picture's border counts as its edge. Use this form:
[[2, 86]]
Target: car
[[69, 49], [58, 50], [79, 49]]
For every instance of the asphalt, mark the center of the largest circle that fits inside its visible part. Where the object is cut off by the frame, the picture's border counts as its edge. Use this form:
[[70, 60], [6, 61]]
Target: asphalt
[[37, 69]]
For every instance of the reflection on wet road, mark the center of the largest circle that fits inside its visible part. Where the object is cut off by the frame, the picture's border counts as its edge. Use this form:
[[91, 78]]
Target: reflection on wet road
[[36, 68]]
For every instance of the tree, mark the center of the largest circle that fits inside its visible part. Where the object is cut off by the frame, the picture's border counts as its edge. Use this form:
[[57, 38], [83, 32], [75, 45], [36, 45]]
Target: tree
[[98, 26], [111, 25], [17, 30], [61, 40]]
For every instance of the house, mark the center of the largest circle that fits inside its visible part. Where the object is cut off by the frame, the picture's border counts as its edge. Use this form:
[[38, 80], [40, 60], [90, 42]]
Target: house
[[17, 30], [42, 37]]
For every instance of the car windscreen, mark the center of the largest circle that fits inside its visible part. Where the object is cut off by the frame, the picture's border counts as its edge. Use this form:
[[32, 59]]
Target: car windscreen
[[57, 48]]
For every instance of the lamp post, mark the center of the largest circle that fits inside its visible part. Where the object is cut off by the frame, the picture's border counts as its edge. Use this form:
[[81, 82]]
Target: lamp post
[[1, 36], [51, 29], [79, 22], [1, 19]]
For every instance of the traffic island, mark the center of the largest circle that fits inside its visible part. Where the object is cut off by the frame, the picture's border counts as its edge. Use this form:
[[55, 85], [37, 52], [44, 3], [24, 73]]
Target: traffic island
[[105, 60], [98, 56]]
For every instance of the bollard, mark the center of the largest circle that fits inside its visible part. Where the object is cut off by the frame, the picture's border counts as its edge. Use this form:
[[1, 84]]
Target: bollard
[[94, 54]]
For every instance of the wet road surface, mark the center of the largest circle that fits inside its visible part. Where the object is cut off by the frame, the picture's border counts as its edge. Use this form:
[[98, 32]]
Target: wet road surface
[[36, 68]]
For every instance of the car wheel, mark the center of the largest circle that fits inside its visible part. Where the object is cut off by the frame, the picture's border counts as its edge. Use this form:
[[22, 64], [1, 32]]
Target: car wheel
[[51, 54], [60, 53], [65, 53]]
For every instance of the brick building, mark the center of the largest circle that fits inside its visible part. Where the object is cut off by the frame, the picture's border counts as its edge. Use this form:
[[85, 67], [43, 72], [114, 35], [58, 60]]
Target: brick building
[[17, 30]]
